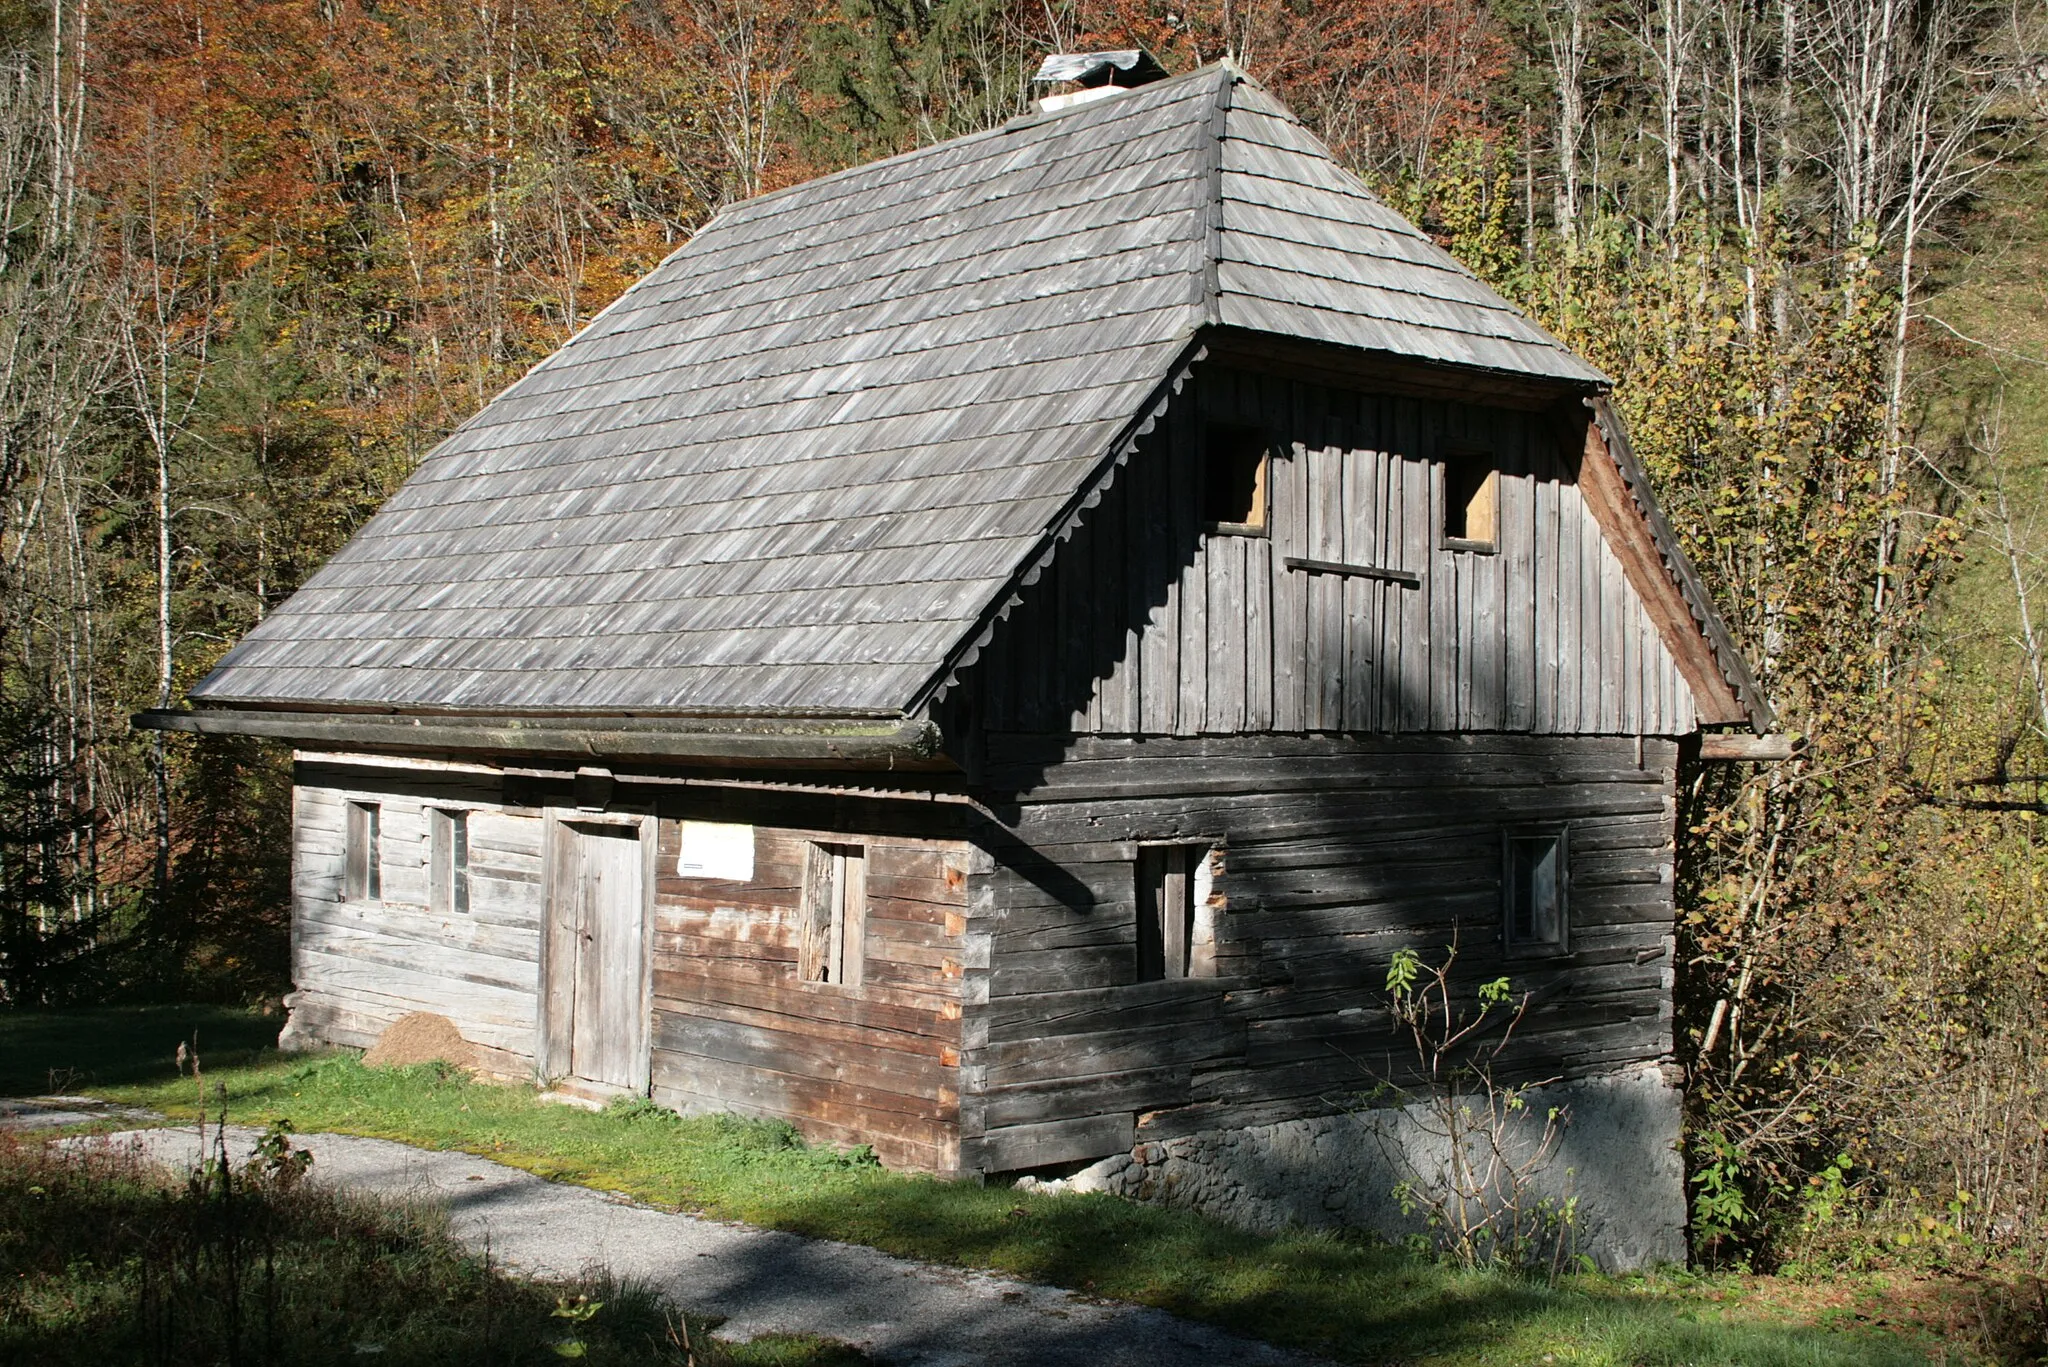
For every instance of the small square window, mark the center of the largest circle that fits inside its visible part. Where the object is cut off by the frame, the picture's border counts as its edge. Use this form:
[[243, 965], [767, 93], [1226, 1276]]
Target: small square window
[[1235, 462], [1471, 502], [448, 861], [1176, 925], [832, 947], [1536, 874], [362, 859]]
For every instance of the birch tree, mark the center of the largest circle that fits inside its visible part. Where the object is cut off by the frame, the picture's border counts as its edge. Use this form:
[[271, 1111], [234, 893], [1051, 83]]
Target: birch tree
[[1907, 87]]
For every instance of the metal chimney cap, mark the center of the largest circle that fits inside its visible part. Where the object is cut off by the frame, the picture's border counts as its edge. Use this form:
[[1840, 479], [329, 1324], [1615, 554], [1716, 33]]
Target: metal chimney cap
[[1131, 67]]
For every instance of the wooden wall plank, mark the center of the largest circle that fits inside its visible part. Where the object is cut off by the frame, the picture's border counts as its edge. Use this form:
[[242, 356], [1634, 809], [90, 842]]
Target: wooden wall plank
[[1517, 605], [1147, 624], [367, 961], [1544, 660], [1196, 650], [1258, 632], [1290, 590], [1337, 851], [874, 1059]]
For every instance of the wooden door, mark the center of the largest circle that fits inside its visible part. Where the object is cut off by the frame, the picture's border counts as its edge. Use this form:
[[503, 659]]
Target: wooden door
[[597, 978]]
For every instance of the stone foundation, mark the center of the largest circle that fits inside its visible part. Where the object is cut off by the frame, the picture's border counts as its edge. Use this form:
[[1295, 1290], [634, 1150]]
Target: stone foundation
[[1617, 1156]]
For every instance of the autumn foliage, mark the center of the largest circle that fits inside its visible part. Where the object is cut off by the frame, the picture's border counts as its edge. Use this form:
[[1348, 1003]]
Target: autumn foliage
[[259, 255]]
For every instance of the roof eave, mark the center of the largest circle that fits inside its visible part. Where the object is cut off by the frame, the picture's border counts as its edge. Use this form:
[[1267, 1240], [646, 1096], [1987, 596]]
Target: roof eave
[[868, 742], [1382, 371], [1734, 670]]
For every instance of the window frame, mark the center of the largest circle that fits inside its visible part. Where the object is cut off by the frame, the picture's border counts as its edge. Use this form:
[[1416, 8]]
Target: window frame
[[1511, 892], [1458, 463], [1239, 438], [362, 874], [1189, 952], [833, 920], [448, 880]]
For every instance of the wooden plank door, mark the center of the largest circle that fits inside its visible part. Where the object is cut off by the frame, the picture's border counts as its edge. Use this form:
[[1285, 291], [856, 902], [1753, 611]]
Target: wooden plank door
[[598, 981]]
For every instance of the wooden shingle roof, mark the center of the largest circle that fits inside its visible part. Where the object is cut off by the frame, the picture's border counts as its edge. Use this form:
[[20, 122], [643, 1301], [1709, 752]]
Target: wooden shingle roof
[[788, 472]]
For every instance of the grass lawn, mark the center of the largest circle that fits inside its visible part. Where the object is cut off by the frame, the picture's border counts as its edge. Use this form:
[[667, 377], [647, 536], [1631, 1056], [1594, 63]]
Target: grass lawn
[[1346, 1298], [105, 1258], [71, 1051]]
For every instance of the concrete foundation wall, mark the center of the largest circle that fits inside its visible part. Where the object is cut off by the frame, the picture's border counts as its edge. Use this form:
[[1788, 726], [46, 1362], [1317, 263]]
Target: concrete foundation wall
[[1616, 1157]]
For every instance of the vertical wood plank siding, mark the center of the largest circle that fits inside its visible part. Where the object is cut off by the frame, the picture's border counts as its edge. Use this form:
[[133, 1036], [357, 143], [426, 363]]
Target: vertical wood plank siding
[[1335, 853], [1220, 637], [735, 1030], [360, 964]]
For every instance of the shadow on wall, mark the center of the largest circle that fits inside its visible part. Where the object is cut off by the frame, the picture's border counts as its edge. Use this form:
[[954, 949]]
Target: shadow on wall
[[1337, 851]]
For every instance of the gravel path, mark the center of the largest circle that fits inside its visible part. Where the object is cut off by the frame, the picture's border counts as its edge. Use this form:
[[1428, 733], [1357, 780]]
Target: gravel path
[[904, 1313]]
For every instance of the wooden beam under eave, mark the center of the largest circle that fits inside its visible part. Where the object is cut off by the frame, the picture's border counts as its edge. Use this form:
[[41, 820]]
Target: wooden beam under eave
[[1730, 747], [1606, 495]]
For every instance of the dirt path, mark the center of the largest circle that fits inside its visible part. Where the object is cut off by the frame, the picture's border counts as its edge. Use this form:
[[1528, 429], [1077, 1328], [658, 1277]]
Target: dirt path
[[901, 1312]]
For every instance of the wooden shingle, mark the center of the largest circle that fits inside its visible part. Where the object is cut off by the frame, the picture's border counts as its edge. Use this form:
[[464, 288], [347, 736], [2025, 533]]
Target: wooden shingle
[[793, 468]]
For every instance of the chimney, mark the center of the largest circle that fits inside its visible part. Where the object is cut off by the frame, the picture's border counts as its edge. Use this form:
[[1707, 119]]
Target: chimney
[[1094, 76]]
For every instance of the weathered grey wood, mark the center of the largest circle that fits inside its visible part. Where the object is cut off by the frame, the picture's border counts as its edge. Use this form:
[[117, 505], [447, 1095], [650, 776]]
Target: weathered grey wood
[[1343, 569], [1020, 1147], [1366, 543], [1340, 852], [1518, 604], [1259, 635], [814, 926], [1290, 591], [1326, 594], [1160, 639], [1724, 746], [1574, 621], [1419, 545], [1613, 640], [1545, 552], [606, 903], [1228, 648]]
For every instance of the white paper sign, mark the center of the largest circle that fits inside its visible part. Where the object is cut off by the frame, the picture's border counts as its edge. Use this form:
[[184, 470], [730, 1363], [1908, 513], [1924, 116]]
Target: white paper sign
[[717, 849]]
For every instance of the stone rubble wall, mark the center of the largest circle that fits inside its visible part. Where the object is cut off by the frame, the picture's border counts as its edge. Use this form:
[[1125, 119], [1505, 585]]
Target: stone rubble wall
[[1617, 1157]]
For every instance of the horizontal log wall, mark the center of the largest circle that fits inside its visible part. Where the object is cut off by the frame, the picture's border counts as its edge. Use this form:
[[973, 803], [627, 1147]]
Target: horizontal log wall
[[1145, 624], [360, 964], [1336, 853], [734, 1029]]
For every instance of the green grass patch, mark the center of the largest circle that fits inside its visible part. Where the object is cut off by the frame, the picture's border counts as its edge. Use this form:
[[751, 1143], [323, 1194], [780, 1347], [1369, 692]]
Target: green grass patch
[[105, 1258], [1344, 1297], [67, 1051]]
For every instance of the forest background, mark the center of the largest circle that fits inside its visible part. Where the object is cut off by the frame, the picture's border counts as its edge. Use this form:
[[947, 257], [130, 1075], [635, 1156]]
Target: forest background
[[256, 256]]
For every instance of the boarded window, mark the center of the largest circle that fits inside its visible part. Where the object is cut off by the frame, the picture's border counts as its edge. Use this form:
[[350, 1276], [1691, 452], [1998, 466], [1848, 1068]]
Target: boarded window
[[834, 921], [1234, 470], [1176, 929], [448, 861], [363, 859], [1471, 502], [1535, 877]]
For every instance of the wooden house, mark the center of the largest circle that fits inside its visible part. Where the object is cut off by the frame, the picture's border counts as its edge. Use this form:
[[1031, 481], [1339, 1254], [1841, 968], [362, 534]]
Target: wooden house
[[987, 654]]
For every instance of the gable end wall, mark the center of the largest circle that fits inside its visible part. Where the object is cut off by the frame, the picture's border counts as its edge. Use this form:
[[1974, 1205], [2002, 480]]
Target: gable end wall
[[1146, 624]]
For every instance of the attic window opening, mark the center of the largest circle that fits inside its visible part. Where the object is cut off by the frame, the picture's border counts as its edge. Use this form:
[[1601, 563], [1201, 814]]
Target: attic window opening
[[1536, 872], [362, 877], [1176, 924], [1471, 501], [833, 945], [1236, 466]]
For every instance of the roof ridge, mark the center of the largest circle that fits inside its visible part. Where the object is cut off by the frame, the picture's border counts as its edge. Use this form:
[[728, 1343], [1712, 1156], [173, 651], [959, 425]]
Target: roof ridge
[[1211, 190], [1016, 124]]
